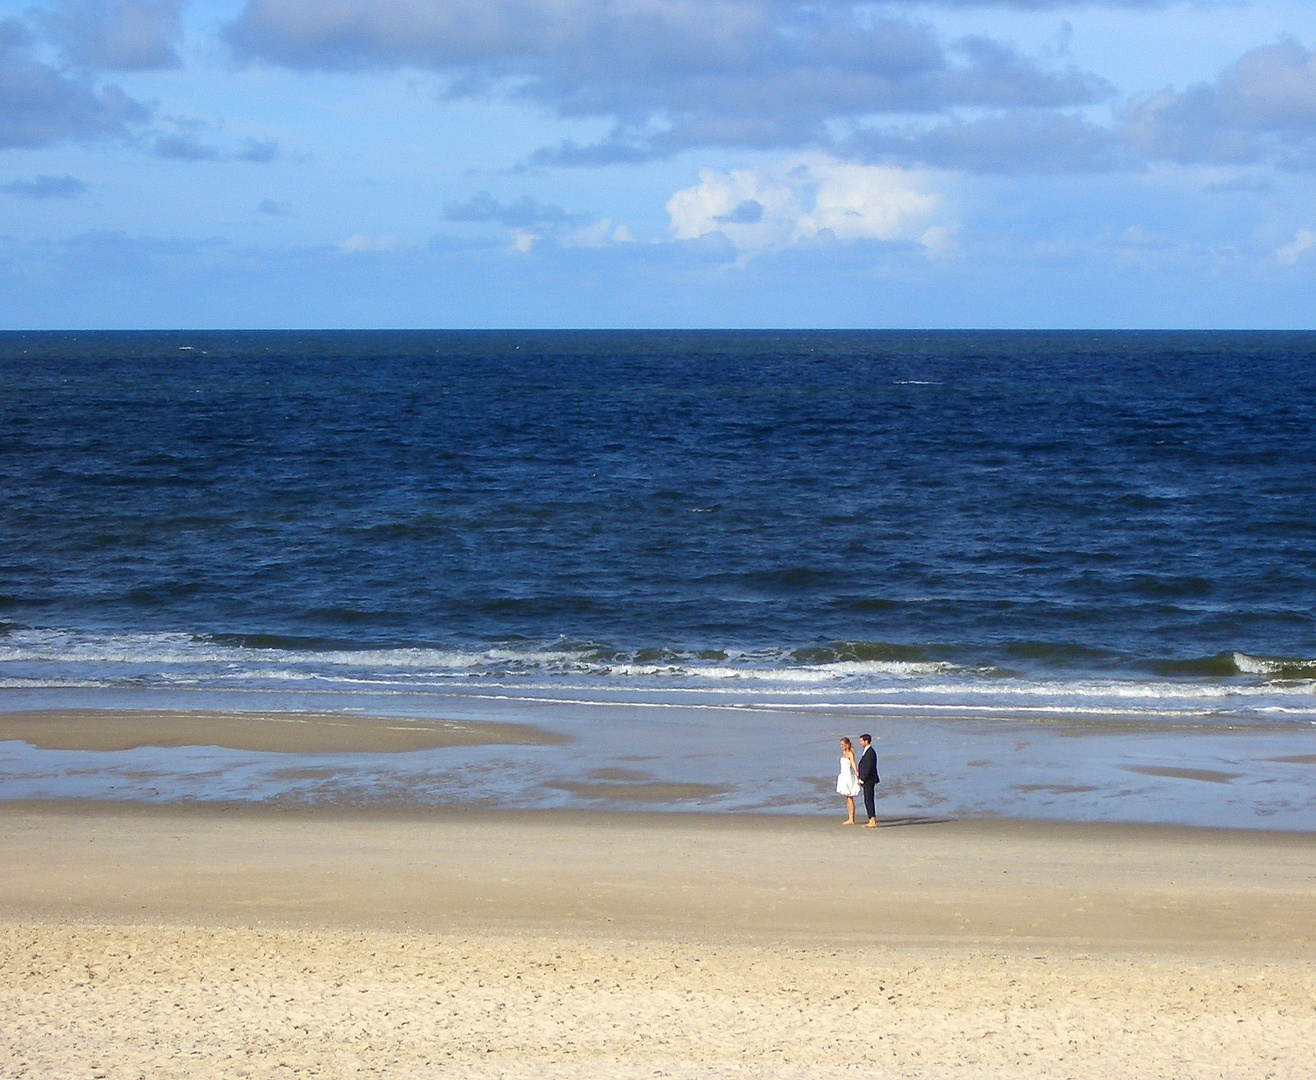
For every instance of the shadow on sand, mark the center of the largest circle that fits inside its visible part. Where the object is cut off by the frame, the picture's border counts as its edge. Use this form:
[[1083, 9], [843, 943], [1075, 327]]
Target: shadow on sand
[[897, 822]]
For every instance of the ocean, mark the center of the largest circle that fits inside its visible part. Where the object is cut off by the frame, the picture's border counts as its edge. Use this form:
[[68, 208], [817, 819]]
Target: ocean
[[1058, 574]]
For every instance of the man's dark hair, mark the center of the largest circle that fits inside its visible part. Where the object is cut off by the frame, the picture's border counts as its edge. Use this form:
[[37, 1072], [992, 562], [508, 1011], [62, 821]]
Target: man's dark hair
[[866, 738]]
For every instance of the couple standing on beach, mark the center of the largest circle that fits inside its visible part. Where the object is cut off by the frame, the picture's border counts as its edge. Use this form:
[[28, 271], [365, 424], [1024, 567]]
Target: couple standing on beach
[[860, 776]]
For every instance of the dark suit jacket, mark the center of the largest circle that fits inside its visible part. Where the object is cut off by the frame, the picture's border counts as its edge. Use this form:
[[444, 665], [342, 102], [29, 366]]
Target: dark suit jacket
[[868, 767]]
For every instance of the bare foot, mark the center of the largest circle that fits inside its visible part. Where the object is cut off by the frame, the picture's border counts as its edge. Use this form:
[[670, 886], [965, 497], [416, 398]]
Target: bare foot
[[850, 822], [871, 825]]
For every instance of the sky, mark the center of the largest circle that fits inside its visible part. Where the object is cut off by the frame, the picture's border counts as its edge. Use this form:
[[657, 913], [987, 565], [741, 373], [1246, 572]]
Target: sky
[[657, 163]]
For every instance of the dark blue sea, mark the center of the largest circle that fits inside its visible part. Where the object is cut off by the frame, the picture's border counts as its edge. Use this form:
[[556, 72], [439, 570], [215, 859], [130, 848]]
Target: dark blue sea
[[1097, 528]]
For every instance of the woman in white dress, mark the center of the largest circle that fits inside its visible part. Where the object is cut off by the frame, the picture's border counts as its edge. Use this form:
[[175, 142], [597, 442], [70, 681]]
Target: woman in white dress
[[847, 783]]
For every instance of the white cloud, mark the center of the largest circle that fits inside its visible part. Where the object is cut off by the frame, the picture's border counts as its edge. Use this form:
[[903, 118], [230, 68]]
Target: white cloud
[[1290, 252], [808, 198], [598, 234], [861, 202], [360, 242]]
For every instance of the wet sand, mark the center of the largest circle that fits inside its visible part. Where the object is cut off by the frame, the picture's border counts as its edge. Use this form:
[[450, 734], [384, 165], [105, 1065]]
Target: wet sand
[[488, 751], [269, 732], [211, 941]]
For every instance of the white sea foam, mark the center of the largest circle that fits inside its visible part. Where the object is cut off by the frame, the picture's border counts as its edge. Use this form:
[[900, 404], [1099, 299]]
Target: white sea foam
[[1260, 665], [164, 650], [55, 658]]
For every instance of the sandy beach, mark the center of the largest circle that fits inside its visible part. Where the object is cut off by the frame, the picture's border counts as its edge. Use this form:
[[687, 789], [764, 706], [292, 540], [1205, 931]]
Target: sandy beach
[[241, 941]]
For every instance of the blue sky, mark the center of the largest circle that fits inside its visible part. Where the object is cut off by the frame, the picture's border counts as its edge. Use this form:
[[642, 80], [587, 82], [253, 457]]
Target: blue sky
[[473, 163]]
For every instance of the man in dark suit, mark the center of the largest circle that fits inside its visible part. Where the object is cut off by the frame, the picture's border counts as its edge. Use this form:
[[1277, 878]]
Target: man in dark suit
[[868, 778]]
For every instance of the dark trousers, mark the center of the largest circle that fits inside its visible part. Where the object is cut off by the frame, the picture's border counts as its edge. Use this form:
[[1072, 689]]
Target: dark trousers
[[870, 800]]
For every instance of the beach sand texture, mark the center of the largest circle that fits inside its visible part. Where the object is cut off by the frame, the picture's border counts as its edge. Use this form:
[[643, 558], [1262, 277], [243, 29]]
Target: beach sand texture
[[213, 942]]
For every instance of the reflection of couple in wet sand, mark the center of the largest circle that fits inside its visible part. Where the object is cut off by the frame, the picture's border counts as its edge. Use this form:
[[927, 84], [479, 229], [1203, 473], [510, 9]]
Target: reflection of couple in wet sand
[[859, 776]]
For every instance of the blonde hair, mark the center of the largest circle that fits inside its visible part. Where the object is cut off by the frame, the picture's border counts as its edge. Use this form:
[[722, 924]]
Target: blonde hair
[[847, 743]]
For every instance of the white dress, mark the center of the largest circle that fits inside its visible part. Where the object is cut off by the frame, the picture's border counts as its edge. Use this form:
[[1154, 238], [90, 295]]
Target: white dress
[[847, 783]]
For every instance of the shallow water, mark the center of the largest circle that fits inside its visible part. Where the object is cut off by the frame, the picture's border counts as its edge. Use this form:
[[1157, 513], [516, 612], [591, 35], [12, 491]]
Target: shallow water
[[770, 753]]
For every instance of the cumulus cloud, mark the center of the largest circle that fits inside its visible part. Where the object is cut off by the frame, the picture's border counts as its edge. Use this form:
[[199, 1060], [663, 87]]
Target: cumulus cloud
[[528, 221], [40, 105], [810, 198], [1304, 241], [1261, 108], [114, 35], [46, 187], [672, 74], [360, 243]]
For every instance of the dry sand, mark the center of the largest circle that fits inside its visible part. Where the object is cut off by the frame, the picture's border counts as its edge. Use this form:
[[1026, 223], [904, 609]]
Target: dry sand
[[212, 942]]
